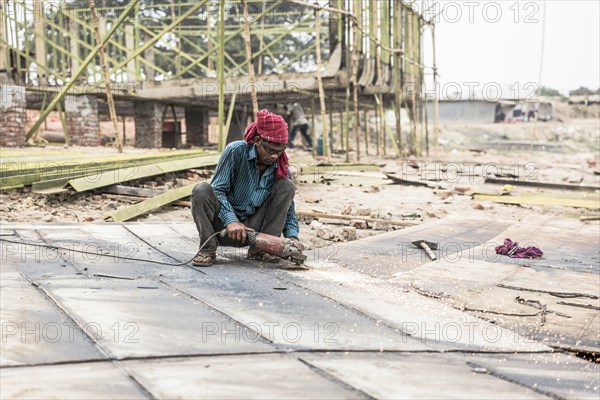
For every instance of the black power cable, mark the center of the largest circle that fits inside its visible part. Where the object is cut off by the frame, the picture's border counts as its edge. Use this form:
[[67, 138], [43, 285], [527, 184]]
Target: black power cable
[[49, 246]]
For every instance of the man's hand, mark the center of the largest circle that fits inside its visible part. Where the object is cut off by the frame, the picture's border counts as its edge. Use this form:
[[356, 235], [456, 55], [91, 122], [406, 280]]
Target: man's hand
[[297, 242], [237, 231]]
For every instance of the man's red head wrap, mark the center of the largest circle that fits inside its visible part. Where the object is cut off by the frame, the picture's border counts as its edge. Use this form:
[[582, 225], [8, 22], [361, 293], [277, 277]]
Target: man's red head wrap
[[271, 127]]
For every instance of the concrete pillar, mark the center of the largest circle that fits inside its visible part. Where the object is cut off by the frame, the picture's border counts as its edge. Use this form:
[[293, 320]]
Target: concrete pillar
[[148, 124], [3, 50], [237, 127], [150, 56], [82, 120], [196, 125], [74, 46], [40, 44], [12, 115], [130, 46]]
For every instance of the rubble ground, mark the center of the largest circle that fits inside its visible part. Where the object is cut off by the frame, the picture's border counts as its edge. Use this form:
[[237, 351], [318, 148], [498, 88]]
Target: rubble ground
[[362, 200]]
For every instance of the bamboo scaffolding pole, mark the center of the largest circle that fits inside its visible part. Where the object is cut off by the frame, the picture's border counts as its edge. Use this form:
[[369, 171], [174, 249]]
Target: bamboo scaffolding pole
[[436, 103], [230, 112], [383, 126], [138, 60], [209, 61], [35, 139], [178, 48], [220, 73], [312, 126], [366, 125], [426, 130], [262, 40], [397, 10], [347, 125], [357, 8], [377, 32], [63, 122], [43, 108], [385, 33], [330, 108], [106, 76], [27, 48], [83, 67], [3, 47], [413, 106], [377, 133], [16, 41], [249, 56], [354, 69], [325, 135], [339, 22], [394, 139], [422, 100]]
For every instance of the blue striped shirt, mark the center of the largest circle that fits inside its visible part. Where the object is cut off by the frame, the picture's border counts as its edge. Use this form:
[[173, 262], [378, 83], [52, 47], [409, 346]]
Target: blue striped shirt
[[240, 188]]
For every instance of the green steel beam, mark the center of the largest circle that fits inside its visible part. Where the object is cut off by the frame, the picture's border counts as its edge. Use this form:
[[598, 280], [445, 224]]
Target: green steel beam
[[151, 42], [234, 34], [163, 54], [82, 68], [19, 174], [146, 206], [271, 43], [107, 178]]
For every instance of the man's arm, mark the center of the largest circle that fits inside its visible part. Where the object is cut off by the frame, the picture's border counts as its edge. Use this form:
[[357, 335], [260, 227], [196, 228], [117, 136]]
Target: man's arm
[[291, 227], [222, 182]]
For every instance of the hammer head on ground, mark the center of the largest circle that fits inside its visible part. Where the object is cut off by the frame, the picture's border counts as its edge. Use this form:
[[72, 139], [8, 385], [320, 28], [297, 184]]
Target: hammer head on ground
[[432, 245]]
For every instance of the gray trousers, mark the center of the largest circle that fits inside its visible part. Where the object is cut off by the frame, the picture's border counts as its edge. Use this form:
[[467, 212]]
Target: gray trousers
[[269, 218]]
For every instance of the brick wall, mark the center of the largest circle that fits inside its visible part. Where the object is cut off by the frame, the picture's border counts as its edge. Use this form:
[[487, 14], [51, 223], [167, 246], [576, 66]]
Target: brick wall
[[12, 115], [82, 120], [196, 125], [148, 124]]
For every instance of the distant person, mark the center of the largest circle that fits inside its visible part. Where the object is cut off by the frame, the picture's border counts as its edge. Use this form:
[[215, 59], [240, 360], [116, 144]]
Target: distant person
[[298, 121]]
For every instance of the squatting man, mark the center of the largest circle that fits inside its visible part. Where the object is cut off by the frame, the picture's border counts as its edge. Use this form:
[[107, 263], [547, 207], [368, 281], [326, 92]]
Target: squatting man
[[251, 189]]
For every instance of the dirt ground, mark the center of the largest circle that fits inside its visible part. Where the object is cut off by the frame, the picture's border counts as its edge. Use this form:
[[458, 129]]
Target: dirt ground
[[571, 157]]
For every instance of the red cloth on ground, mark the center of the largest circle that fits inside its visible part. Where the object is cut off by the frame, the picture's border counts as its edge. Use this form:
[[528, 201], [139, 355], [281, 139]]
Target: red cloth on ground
[[512, 249], [271, 127]]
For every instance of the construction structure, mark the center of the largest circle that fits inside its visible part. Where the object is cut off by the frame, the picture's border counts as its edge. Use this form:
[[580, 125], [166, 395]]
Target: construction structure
[[144, 58]]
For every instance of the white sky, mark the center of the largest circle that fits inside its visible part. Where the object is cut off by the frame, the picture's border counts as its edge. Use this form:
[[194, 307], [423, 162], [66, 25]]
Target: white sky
[[471, 47]]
